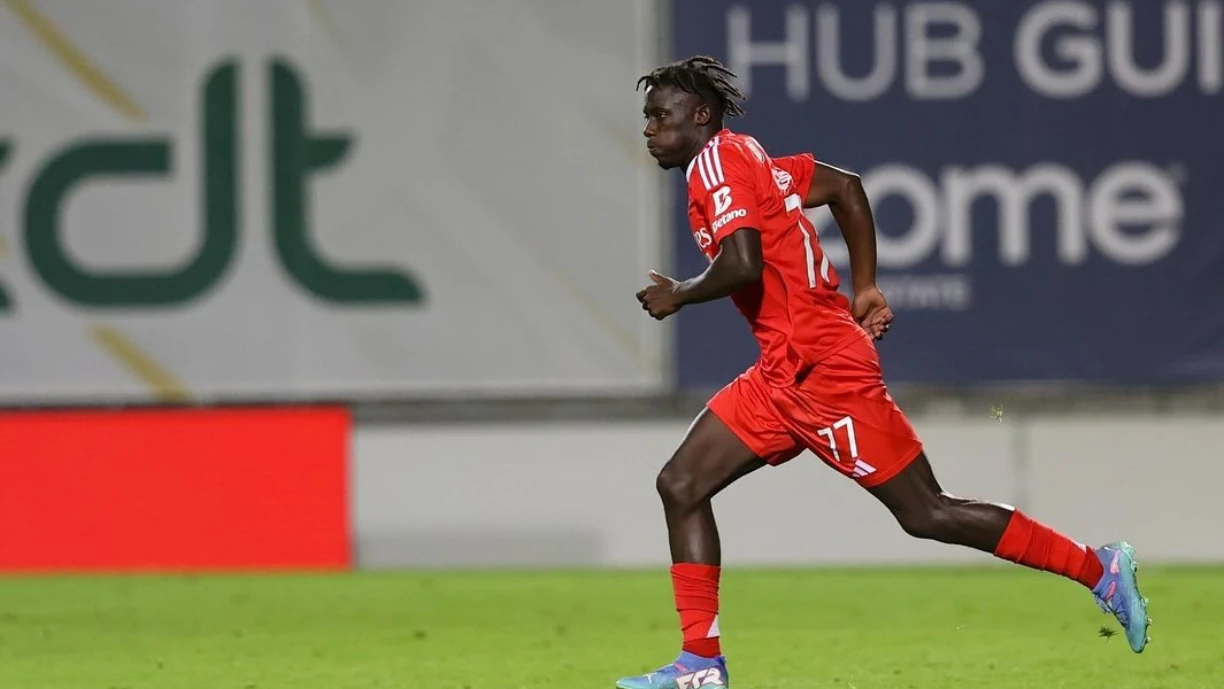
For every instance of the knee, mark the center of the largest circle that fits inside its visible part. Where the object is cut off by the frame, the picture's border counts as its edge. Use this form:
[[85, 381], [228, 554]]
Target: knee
[[677, 488], [933, 521]]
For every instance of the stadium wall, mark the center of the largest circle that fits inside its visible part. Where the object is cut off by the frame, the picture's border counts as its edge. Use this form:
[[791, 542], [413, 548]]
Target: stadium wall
[[581, 493], [310, 488]]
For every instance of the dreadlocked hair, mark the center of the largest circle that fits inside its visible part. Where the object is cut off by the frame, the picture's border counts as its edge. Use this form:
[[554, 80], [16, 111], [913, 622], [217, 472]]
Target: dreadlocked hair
[[704, 76]]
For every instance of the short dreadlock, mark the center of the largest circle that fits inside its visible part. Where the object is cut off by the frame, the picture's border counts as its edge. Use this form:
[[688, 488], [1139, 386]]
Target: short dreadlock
[[704, 76]]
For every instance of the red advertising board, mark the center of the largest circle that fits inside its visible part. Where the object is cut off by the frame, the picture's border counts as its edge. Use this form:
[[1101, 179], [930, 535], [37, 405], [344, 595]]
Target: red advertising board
[[185, 490]]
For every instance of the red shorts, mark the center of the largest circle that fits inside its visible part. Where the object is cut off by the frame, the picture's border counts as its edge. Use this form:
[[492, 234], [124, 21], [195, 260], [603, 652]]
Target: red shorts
[[841, 411]]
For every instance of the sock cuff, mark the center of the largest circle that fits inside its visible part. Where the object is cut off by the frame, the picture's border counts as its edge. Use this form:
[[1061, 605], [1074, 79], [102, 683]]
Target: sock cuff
[[690, 570], [1016, 537]]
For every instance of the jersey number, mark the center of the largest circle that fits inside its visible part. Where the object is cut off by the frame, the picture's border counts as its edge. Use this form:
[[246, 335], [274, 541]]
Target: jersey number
[[858, 468], [810, 253], [848, 424]]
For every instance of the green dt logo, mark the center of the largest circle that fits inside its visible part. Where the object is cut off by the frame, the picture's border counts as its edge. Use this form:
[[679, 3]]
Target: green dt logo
[[296, 153]]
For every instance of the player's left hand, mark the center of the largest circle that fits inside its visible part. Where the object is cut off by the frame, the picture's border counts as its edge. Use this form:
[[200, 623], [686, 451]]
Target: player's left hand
[[661, 299], [872, 312]]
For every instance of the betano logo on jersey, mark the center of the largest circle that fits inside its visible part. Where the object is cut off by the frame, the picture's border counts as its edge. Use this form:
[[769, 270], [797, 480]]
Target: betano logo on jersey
[[1131, 214], [295, 154], [723, 220], [722, 200]]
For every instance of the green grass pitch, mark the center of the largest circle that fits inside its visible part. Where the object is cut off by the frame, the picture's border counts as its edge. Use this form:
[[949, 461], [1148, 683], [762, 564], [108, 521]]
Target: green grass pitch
[[999, 628]]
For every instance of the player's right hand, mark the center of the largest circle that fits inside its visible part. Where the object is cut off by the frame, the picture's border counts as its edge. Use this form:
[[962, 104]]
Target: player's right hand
[[872, 312], [662, 298]]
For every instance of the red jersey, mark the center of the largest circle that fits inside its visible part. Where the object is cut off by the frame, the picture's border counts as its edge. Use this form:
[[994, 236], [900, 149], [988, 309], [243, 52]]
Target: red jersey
[[795, 311]]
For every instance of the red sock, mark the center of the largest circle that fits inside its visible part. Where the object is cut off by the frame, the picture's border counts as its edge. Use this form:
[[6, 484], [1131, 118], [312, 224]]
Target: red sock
[[696, 588], [1033, 544]]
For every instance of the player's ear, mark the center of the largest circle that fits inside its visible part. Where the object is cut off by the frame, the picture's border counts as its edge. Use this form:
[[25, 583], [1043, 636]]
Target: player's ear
[[701, 115]]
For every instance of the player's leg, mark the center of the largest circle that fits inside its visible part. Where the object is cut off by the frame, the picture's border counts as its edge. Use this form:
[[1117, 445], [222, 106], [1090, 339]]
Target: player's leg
[[733, 437], [846, 416], [710, 458], [925, 510]]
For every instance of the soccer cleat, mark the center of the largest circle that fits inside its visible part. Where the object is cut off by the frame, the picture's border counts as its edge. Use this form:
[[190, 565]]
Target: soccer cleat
[[688, 672], [1118, 593]]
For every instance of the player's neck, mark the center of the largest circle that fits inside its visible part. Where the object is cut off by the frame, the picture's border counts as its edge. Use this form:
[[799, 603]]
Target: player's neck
[[702, 141]]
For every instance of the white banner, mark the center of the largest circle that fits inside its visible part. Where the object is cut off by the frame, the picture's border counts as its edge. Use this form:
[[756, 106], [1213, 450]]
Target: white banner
[[220, 199]]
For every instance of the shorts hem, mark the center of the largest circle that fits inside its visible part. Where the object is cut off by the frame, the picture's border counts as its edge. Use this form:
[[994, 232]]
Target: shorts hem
[[879, 478], [744, 437]]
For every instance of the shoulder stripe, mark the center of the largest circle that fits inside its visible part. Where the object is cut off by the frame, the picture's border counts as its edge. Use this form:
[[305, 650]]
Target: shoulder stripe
[[709, 164], [705, 173]]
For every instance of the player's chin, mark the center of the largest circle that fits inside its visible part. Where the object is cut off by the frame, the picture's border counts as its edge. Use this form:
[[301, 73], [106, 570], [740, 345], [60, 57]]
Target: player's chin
[[663, 161]]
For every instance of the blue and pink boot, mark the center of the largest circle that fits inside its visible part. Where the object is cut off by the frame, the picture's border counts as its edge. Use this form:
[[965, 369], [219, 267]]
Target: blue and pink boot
[[687, 672], [1118, 593]]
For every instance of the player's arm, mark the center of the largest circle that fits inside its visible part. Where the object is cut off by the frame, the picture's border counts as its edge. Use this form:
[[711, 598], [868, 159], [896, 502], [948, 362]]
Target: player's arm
[[843, 193], [725, 196], [737, 265], [728, 199]]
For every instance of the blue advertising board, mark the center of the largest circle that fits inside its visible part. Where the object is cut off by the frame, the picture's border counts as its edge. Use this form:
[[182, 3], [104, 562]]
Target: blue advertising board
[[1047, 178]]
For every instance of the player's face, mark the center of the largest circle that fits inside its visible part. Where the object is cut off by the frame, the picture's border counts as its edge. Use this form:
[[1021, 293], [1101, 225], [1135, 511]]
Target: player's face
[[672, 130]]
